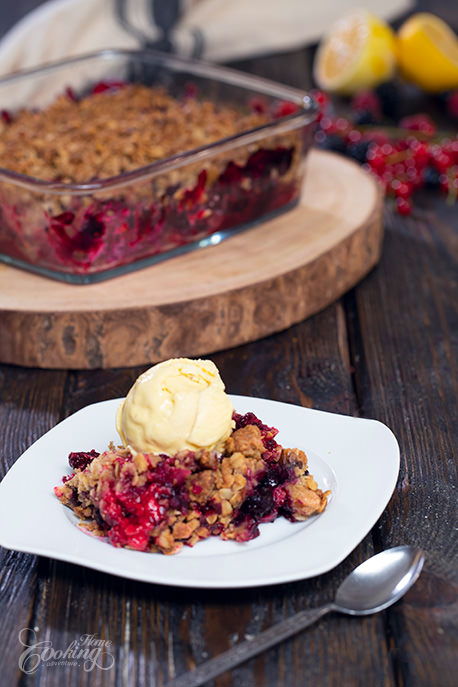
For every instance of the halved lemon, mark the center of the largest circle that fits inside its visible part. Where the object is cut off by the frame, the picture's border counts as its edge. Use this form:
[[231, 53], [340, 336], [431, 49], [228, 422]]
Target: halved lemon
[[359, 52], [428, 52]]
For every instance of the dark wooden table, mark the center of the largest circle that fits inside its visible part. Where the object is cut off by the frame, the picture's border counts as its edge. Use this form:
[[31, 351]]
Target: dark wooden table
[[386, 350]]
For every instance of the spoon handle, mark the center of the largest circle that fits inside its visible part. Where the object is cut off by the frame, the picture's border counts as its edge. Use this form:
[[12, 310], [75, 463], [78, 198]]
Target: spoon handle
[[249, 648]]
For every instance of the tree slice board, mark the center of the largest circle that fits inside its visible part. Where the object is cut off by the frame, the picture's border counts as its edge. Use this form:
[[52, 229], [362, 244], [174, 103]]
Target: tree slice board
[[255, 283]]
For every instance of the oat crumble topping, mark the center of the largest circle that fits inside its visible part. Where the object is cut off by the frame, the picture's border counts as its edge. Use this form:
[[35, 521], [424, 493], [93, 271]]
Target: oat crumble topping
[[111, 132]]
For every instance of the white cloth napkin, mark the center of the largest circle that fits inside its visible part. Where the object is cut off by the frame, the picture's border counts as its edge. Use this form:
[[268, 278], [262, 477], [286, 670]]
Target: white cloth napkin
[[226, 29]]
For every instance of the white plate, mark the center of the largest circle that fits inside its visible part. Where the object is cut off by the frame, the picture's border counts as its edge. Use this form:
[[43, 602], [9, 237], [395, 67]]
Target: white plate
[[358, 459]]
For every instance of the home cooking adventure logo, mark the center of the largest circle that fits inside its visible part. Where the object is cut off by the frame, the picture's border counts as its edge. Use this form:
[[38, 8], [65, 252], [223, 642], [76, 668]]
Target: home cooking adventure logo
[[88, 652]]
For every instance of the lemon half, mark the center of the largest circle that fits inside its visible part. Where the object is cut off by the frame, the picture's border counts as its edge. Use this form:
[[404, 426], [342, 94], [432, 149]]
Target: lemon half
[[358, 52], [428, 52]]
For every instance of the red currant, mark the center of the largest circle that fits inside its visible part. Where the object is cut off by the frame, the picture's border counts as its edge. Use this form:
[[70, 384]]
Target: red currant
[[403, 206], [419, 122]]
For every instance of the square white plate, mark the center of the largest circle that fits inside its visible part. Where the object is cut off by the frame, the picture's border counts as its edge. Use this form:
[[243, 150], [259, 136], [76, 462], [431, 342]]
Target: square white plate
[[357, 459]]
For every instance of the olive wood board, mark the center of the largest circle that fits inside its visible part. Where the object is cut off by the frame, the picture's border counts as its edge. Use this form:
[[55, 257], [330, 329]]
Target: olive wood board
[[253, 284]]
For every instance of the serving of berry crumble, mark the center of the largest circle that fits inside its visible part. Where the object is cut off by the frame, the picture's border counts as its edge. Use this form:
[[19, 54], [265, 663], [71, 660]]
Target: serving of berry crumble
[[159, 503]]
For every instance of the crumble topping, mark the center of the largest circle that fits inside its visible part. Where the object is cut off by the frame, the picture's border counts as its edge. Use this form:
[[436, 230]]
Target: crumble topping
[[114, 131], [158, 503]]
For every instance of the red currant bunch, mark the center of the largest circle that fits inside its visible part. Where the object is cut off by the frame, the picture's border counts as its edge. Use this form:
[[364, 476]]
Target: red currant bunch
[[403, 158]]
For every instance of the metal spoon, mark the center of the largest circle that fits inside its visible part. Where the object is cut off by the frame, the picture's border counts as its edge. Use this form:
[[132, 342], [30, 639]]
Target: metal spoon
[[371, 587]]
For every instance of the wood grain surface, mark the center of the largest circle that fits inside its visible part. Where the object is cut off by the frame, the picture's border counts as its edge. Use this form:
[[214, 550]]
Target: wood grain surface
[[255, 283], [388, 350]]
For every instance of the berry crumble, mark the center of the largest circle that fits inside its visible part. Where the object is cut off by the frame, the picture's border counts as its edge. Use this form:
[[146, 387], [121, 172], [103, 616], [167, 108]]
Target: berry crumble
[[159, 503], [87, 190]]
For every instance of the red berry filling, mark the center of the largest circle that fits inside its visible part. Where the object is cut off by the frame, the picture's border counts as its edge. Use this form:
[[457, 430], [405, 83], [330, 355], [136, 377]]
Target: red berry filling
[[112, 233]]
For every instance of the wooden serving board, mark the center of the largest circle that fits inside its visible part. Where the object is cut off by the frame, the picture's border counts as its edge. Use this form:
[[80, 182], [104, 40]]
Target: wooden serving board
[[253, 284]]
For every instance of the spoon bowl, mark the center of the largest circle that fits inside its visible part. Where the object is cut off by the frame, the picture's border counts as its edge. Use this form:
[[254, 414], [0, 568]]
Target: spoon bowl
[[379, 582]]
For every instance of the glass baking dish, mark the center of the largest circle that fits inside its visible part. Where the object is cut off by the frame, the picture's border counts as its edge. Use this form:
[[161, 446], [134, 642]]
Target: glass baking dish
[[102, 227]]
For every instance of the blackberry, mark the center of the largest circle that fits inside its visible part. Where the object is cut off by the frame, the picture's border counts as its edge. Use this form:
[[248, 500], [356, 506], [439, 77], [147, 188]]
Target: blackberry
[[358, 151], [364, 117], [431, 177], [390, 101], [335, 143]]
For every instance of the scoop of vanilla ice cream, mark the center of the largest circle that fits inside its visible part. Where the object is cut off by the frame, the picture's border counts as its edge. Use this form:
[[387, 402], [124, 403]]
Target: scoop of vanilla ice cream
[[177, 404]]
